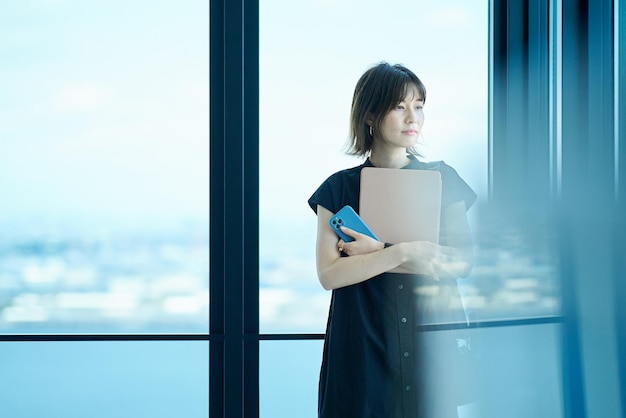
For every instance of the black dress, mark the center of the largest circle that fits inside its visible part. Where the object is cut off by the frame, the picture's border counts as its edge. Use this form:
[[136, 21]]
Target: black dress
[[375, 364]]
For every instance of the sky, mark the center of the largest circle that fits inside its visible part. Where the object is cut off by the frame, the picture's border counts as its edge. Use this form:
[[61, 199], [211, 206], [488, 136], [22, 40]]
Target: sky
[[104, 109], [309, 69], [104, 104]]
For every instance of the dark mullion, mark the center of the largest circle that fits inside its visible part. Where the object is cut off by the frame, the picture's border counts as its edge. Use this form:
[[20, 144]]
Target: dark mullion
[[234, 208], [216, 198], [234, 236], [106, 337], [496, 323], [515, 140], [499, 95], [538, 148], [250, 253], [226, 235]]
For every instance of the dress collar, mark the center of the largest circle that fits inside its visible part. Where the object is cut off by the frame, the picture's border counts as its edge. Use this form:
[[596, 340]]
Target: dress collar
[[414, 163]]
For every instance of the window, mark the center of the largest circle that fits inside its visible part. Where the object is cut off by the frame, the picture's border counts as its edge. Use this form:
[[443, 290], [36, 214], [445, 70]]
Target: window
[[586, 343], [306, 83], [104, 157], [104, 215]]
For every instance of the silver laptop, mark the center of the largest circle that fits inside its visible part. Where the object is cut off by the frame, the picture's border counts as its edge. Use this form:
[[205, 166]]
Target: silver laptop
[[401, 205]]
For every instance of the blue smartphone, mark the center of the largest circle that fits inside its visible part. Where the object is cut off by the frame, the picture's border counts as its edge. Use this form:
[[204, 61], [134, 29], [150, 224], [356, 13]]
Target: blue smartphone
[[349, 218]]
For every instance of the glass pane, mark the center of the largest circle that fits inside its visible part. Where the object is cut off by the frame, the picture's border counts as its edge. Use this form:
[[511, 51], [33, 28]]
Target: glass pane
[[104, 379], [515, 271], [104, 166], [509, 371], [288, 377], [519, 373], [307, 79]]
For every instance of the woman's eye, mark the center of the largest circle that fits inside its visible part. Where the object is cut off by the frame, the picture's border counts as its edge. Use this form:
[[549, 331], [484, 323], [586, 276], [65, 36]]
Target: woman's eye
[[399, 107]]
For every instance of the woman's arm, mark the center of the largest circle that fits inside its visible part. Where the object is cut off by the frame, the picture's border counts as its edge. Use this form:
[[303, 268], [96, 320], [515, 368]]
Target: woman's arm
[[367, 258], [366, 255]]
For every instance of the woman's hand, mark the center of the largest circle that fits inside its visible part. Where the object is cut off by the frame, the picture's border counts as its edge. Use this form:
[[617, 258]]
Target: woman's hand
[[452, 259], [362, 244], [365, 260], [439, 262]]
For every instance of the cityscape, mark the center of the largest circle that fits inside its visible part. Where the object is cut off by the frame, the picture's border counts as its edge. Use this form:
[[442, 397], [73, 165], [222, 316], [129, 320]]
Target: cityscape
[[56, 279]]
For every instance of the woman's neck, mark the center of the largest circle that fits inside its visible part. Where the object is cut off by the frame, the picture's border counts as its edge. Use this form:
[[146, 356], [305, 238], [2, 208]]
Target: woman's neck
[[389, 160]]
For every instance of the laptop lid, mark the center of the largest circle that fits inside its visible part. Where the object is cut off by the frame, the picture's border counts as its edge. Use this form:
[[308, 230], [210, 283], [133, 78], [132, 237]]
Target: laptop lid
[[401, 205]]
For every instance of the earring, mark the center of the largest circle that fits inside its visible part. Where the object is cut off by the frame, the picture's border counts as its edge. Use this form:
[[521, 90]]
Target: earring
[[371, 131]]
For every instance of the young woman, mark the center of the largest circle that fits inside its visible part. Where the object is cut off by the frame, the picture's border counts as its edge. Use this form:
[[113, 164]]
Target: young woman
[[375, 363]]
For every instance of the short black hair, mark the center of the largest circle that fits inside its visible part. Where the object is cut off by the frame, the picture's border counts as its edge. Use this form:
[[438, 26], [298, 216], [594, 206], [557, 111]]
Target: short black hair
[[378, 91]]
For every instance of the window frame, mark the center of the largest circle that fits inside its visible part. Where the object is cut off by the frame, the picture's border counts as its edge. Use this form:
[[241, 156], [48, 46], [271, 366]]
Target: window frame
[[234, 180], [234, 164]]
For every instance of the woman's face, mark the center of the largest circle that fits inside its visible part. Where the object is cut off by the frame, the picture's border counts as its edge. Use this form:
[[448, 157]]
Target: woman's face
[[402, 125]]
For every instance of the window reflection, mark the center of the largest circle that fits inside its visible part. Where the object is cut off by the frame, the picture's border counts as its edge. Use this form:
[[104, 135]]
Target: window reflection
[[515, 273]]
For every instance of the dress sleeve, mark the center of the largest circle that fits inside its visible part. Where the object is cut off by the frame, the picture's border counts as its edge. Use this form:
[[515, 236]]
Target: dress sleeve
[[338, 190], [454, 188], [323, 196]]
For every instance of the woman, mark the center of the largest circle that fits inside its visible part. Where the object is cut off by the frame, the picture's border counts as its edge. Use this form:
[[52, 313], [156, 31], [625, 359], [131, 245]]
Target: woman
[[375, 362]]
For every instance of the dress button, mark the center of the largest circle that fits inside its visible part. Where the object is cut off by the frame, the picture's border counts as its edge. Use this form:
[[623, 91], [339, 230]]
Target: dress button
[[403, 320], [406, 354], [408, 387]]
